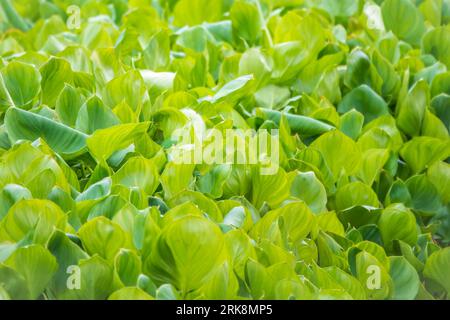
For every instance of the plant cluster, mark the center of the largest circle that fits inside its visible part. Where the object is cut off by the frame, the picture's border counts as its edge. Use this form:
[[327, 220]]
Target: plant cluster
[[93, 205]]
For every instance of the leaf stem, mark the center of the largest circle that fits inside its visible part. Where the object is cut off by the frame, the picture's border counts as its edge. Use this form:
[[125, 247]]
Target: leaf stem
[[12, 16], [264, 22]]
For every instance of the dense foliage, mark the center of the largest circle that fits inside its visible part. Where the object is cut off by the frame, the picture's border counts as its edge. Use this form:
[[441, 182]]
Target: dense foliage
[[92, 91]]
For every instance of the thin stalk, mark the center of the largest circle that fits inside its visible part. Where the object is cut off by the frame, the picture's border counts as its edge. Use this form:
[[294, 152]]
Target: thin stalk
[[299, 124], [264, 22], [12, 16]]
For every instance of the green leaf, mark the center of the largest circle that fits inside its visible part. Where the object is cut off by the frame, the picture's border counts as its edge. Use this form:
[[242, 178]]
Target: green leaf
[[103, 143], [103, 237], [130, 293], [387, 72], [434, 43], [349, 283], [305, 186], [355, 194], [94, 115], [299, 124], [13, 17], [36, 265], [158, 82], [411, 108], [157, 53], [197, 13], [380, 134], [366, 101], [257, 279], [97, 190], [405, 278], [204, 203], [291, 57], [246, 21], [436, 268], [96, 280], [440, 104], [233, 90], [424, 195], [129, 87], [35, 217], [316, 72], [272, 97], [4, 295], [298, 40], [432, 11], [398, 193], [167, 292], [22, 81], [128, 266], [293, 222], [360, 72], [359, 216], [342, 9], [55, 74], [398, 223], [212, 182], [186, 252], [347, 157], [14, 283], [404, 19], [11, 194], [440, 82], [434, 127], [329, 222], [439, 175], [373, 161], [21, 124], [375, 250], [176, 178], [241, 249], [352, 123], [238, 217], [68, 105], [67, 254], [422, 152], [269, 189], [138, 172], [373, 276]]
